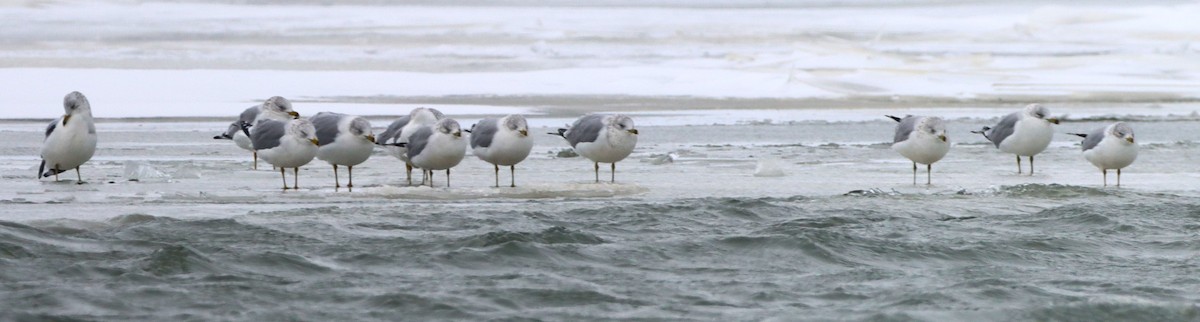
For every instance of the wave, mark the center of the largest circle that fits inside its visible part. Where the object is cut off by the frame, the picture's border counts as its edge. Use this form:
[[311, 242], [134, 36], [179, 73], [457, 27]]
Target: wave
[[722, 257]]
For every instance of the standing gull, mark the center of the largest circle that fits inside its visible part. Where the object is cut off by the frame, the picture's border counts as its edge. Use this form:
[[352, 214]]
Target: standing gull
[[503, 141], [1027, 133], [344, 140], [1110, 147], [70, 140], [439, 147], [922, 140], [285, 145], [602, 138], [400, 130]]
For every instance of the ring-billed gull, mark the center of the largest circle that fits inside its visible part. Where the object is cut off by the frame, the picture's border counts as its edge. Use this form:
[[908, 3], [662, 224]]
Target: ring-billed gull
[[921, 139], [401, 129], [70, 140], [1110, 147], [344, 140], [602, 139], [285, 145], [437, 147], [1027, 133], [502, 141]]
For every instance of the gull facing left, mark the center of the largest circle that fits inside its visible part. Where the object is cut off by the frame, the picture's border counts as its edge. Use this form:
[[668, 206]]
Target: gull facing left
[[343, 140], [922, 140], [1110, 147], [70, 140]]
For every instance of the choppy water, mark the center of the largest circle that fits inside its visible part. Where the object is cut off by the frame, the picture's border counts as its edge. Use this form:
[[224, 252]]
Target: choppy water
[[1029, 252]]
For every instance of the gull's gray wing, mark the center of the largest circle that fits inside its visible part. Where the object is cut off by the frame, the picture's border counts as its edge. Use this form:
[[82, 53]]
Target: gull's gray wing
[[1003, 129], [393, 131], [267, 134], [585, 129], [418, 141], [905, 127], [327, 126], [1093, 138], [483, 132], [53, 124]]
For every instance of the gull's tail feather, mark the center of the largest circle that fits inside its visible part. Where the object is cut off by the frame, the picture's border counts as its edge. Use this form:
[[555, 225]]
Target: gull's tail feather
[[897, 119], [983, 131], [47, 173], [223, 136]]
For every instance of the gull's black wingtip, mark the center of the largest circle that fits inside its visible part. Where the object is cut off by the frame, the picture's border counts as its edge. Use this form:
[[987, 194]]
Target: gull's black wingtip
[[561, 132], [1082, 135], [897, 119]]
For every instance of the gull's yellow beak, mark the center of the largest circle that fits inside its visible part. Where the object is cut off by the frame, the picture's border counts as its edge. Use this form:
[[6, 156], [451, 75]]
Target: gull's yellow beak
[[294, 114], [65, 118], [1130, 139], [942, 137], [1052, 120], [634, 131], [314, 141], [371, 137], [524, 132]]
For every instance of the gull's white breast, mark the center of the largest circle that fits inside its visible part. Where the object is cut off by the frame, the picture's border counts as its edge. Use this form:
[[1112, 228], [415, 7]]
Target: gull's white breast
[[609, 147], [1112, 153], [1030, 136], [508, 148], [71, 145]]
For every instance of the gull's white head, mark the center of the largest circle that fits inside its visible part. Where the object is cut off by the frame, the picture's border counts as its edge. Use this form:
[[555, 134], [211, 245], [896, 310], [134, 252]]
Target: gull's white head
[[279, 106], [516, 123], [1040, 112], [932, 127], [449, 126], [1122, 131], [75, 102], [425, 116], [360, 127], [302, 129], [622, 124]]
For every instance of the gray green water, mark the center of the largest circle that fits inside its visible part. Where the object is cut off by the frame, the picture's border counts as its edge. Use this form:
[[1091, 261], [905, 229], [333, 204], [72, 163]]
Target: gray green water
[[1031, 252]]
